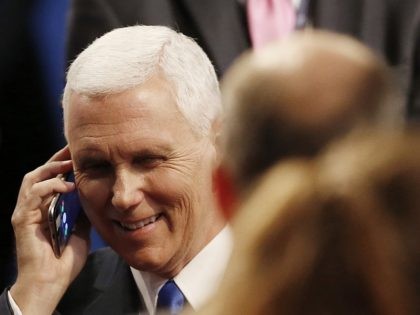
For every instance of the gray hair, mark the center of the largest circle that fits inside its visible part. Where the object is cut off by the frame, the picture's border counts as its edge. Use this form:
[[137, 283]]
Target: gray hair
[[127, 57]]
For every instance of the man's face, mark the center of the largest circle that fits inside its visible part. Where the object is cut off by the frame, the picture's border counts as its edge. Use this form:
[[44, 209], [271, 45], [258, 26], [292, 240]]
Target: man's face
[[144, 177]]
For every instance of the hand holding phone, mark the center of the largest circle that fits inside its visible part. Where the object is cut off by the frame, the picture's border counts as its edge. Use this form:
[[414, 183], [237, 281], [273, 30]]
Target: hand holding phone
[[38, 267], [62, 216]]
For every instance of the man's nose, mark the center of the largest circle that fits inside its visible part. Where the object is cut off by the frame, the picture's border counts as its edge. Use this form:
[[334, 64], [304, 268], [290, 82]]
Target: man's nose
[[127, 190]]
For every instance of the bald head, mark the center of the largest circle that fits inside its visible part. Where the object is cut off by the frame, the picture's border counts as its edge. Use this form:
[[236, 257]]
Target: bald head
[[293, 97]]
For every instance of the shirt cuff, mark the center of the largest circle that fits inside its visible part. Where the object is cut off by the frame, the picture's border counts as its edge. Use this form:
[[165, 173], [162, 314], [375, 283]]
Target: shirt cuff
[[16, 310]]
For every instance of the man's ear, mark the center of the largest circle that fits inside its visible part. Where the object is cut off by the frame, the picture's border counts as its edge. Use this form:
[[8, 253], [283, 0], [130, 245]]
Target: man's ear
[[225, 192]]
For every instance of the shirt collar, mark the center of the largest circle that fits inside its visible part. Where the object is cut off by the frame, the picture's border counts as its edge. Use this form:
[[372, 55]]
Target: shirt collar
[[148, 285], [198, 280], [201, 276]]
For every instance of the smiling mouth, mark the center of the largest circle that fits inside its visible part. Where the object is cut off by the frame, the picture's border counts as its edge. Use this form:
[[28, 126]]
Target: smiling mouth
[[140, 224]]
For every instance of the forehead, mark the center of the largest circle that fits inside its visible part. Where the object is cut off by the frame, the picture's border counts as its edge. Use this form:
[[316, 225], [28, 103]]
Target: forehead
[[148, 111]]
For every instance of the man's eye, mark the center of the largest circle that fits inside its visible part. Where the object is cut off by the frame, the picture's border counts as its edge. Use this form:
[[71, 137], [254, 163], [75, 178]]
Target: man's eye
[[96, 169], [148, 161]]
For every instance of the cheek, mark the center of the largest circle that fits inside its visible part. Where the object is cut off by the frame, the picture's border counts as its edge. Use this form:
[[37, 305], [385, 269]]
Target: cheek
[[170, 186], [94, 196], [178, 193]]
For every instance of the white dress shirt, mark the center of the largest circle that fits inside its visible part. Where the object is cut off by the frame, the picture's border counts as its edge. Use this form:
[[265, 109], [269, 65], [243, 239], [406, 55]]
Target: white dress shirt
[[198, 280], [16, 310]]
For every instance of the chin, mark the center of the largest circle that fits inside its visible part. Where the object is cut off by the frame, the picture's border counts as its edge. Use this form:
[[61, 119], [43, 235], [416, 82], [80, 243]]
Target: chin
[[145, 260]]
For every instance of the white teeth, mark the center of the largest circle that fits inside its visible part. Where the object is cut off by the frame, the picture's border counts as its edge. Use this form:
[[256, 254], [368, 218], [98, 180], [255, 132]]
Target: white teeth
[[140, 224]]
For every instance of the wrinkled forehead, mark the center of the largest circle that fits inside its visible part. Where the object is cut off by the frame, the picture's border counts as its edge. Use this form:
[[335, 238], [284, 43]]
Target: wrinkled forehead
[[145, 109], [154, 95]]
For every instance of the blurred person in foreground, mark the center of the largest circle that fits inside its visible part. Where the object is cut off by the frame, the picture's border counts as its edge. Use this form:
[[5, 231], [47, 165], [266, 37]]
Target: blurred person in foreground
[[338, 235], [292, 98], [141, 110]]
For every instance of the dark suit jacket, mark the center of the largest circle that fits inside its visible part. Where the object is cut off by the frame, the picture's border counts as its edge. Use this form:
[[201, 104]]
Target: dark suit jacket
[[390, 27], [217, 25], [104, 286]]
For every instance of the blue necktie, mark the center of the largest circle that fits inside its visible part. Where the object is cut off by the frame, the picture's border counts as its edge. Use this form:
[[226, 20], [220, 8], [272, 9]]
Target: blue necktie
[[170, 298]]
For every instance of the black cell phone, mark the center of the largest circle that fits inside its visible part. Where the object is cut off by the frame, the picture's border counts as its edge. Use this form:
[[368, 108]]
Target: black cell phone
[[62, 216]]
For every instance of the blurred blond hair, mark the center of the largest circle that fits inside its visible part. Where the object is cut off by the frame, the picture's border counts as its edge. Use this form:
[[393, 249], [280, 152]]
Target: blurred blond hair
[[335, 235]]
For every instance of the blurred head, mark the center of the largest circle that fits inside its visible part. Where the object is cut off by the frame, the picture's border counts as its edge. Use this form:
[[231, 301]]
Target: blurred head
[[338, 235], [141, 107], [291, 98]]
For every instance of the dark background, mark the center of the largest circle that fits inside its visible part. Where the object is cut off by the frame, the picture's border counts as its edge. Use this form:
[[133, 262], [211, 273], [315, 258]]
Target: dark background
[[31, 80]]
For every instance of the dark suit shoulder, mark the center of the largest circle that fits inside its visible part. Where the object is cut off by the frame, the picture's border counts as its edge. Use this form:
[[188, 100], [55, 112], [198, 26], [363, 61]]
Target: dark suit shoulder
[[104, 286], [99, 265]]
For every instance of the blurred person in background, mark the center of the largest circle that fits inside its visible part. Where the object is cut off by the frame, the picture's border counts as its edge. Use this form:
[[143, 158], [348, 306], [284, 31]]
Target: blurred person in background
[[334, 235], [225, 28], [291, 98], [141, 116]]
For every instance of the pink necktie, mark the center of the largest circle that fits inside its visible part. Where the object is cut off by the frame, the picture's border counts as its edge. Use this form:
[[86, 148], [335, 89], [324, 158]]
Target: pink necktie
[[270, 20]]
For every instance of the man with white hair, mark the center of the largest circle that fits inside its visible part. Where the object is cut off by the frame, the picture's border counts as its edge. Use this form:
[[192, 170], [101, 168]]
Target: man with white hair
[[141, 117]]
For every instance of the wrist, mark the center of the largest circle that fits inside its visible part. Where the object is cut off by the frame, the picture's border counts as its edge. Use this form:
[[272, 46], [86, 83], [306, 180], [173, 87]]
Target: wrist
[[36, 298]]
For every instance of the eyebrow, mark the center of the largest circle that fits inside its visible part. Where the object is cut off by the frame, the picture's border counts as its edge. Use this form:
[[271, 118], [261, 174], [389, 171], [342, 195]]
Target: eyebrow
[[154, 150], [94, 154], [89, 159]]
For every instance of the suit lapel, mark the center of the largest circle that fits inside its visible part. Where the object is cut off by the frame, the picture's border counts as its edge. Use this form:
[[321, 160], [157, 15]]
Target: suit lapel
[[116, 290]]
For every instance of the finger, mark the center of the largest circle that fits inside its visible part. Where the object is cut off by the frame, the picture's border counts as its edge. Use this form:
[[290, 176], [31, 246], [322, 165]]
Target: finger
[[50, 186], [61, 155], [48, 196], [46, 171], [31, 208], [35, 198]]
